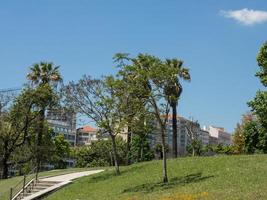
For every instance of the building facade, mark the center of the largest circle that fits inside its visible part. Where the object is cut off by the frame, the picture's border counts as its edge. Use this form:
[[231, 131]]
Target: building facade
[[63, 122], [218, 135], [86, 135], [188, 131], [184, 136]]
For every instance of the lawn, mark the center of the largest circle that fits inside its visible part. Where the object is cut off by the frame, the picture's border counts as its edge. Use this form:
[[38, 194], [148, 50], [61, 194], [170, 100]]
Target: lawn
[[5, 185], [207, 178]]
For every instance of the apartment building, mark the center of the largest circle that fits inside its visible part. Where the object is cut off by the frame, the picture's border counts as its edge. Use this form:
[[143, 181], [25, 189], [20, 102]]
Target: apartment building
[[86, 135], [184, 137], [204, 137], [63, 122], [186, 132], [218, 135]]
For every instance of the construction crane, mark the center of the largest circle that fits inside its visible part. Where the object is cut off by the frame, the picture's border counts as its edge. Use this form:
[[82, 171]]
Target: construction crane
[[6, 96], [10, 90]]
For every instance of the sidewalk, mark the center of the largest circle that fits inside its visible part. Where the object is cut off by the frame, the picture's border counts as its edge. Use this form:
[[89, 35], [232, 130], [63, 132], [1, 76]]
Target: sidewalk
[[59, 181]]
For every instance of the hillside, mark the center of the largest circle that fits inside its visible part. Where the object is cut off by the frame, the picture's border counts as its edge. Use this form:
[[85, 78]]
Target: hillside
[[222, 177]]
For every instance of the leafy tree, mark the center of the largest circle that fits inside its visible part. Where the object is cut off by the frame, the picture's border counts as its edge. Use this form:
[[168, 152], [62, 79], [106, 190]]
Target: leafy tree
[[149, 78], [140, 149], [262, 62], [238, 139], [195, 147], [238, 136], [135, 111], [15, 127], [251, 134], [259, 104], [61, 152], [101, 101], [99, 153], [174, 89]]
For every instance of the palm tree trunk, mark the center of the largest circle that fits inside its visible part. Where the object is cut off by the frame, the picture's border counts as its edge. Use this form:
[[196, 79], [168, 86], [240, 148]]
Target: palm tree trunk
[[165, 175], [174, 130], [114, 147]]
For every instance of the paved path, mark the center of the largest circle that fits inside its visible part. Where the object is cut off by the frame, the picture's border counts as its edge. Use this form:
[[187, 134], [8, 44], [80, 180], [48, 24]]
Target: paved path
[[61, 180], [70, 177]]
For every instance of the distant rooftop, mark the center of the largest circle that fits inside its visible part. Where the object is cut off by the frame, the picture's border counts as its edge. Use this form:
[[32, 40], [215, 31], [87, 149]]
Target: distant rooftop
[[87, 129]]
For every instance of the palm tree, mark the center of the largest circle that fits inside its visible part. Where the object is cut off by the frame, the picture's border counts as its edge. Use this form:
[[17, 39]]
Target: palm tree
[[174, 90], [42, 74]]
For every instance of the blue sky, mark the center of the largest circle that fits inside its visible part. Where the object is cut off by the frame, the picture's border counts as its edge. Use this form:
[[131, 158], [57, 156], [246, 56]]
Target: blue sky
[[82, 36]]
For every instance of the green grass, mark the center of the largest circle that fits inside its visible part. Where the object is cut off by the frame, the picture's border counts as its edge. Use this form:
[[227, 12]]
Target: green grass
[[5, 185], [211, 178]]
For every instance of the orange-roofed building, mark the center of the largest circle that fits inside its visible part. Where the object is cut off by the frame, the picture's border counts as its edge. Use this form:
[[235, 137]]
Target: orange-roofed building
[[86, 135]]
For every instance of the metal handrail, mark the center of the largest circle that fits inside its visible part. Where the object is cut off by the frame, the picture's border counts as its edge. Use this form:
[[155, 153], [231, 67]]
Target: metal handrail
[[16, 190]]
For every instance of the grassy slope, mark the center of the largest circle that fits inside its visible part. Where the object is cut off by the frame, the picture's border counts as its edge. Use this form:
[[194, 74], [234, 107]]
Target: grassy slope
[[5, 185], [224, 177]]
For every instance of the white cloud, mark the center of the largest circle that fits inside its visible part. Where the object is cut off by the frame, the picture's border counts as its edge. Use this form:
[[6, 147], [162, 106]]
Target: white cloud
[[246, 16]]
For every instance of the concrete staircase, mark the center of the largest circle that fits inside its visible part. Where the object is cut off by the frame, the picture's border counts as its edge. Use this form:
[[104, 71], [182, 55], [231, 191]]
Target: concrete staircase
[[35, 188]]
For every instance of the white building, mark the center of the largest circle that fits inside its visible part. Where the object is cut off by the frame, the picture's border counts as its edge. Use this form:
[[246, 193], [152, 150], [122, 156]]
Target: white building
[[220, 134], [211, 135]]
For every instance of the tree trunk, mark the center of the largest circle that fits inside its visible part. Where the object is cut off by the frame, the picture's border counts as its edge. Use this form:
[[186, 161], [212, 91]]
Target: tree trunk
[[174, 130], [39, 139], [5, 160], [128, 148], [114, 147], [193, 151], [142, 150], [165, 175], [5, 169]]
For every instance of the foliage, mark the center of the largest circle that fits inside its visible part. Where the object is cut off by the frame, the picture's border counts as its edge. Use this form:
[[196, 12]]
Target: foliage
[[195, 147], [258, 128], [15, 127], [44, 73], [262, 62], [99, 153], [101, 101], [150, 77], [251, 135], [238, 139], [140, 149], [61, 152]]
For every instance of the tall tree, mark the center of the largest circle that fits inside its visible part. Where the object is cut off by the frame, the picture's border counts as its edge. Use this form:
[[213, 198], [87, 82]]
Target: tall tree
[[259, 103], [149, 78], [134, 105], [44, 75], [174, 89]]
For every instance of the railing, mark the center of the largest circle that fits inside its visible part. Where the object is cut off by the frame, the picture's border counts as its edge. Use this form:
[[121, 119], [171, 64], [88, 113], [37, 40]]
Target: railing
[[28, 180]]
